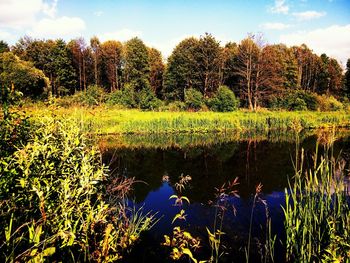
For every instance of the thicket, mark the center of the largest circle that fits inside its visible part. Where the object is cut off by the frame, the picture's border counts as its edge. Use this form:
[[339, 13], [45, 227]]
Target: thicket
[[57, 199]]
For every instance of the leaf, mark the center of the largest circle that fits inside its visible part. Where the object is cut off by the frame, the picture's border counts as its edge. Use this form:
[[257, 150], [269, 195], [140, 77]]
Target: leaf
[[188, 252], [185, 198], [173, 196], [49, 251], [180, 215]]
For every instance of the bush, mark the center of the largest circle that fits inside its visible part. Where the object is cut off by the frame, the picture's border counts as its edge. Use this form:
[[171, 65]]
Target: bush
[[295, 100], [224, 100], [147, 100], [94, 95], [194, 99], [59, 203], [174, 106], [326, 103], [125, 97]]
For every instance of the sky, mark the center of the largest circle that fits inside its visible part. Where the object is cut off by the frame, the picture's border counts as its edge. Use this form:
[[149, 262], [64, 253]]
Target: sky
[[323, 25]]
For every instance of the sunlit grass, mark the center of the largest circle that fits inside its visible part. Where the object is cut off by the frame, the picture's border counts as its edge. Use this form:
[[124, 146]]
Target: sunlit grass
[[106, 120]]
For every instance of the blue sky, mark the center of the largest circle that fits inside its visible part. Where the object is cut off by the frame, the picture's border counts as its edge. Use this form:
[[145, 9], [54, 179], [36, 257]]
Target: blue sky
[[323, 25]]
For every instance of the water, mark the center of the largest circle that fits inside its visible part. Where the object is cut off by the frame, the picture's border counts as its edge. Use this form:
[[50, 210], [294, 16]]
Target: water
[[211, 161]]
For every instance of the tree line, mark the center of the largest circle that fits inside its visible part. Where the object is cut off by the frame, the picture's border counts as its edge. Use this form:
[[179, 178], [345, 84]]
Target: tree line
[[258, 73]]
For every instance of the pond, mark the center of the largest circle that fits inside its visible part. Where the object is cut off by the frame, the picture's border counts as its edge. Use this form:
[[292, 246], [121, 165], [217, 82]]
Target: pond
[[157, 161]]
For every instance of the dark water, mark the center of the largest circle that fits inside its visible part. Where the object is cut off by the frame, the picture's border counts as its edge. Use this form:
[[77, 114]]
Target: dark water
[[210, 165]]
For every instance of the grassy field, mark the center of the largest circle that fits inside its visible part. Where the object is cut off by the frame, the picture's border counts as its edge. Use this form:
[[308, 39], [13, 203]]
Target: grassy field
[[106, 120]]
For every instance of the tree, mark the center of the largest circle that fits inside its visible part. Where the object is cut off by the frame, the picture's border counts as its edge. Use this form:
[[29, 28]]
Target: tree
[[136, 63], [308, 67], [247, 60], [64, 78], [21, 75], [229, 61], [208, 60], [95, 46], [347, 79], [77, 49], [4, 47], [182, 70], [111, 62], [156, 71]]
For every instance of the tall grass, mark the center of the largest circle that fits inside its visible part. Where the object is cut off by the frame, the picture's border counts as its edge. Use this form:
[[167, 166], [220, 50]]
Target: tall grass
[[111, 120], [317, 209]]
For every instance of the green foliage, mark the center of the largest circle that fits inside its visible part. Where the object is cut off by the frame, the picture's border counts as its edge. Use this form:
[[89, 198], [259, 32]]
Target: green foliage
[[181, 72], [296, 100], [56, 205], [317, 211], [94, 95], [4, 47], [136, 68], [147, 100], [22, 75], [125, 97], [194, 99], [328, 103], [347, 79], [224, 100]]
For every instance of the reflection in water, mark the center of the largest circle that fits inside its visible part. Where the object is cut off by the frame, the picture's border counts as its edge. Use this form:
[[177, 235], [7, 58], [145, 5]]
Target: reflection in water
[[210, 165]]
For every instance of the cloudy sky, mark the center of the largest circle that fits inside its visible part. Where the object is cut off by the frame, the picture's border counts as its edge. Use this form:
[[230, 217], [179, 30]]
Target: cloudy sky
[[323, 25]]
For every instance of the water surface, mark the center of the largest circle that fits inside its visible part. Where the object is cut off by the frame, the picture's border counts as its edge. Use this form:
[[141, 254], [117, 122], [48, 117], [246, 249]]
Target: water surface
[[211, 160]]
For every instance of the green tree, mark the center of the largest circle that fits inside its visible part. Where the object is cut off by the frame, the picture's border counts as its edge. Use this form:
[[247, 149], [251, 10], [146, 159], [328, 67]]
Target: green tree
[[347, 79], [229, 61], [64, 79], [136, 63], [21, 75], [4, 47], [182, 70]]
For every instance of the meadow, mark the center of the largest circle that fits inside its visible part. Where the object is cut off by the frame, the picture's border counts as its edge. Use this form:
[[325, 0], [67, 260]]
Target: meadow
[[113, 120]]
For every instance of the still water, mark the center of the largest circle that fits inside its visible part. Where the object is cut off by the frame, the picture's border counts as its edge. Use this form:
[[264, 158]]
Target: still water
[[211, 160]]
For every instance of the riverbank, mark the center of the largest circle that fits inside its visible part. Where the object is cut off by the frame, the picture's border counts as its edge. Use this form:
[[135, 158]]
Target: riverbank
[[107, 120]]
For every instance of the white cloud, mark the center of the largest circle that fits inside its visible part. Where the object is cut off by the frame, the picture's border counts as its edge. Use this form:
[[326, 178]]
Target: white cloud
[[57, 27], [275, 26], [121, 35], [280, 7], [333, 40], [308, 15], [50, 9], [16, 14], [98, 13]]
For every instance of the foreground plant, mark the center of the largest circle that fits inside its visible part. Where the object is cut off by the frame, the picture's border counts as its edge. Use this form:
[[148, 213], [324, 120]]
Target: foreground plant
[[54, 205], [317, 211]]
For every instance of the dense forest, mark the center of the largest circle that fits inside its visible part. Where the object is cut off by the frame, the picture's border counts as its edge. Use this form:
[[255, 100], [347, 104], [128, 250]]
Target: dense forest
[[200, 71]]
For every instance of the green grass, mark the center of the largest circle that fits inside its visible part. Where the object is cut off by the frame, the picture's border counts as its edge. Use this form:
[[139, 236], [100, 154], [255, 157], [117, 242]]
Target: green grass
[[105, 120], [317, 209]]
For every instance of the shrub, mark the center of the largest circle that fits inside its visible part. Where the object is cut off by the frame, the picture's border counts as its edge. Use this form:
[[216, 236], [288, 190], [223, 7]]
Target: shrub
[[224, 100], [125, 97], [147, 100], [94, 95], [328, 103], [194, 99], [174, 106], [295, 100], [59, 204]]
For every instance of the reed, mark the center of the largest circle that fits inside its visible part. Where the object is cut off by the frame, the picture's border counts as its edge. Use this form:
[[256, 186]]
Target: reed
[[106, 120], [317, 210]]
